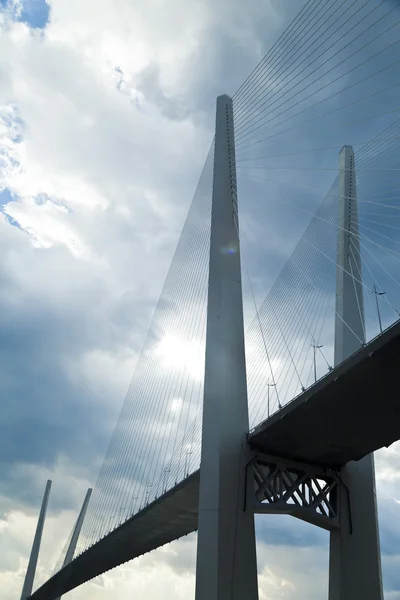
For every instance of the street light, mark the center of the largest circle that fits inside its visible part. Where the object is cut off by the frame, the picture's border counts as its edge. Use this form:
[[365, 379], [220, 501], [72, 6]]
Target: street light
[[186, 462], [315, 347], [377, 305], [269, 385]]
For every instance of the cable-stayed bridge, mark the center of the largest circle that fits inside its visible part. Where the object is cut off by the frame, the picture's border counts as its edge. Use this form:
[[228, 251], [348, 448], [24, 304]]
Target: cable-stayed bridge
[[222, 421]]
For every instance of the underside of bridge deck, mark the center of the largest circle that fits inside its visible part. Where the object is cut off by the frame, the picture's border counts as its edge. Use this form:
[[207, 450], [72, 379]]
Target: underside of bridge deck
[[168, 518], [348, 414]]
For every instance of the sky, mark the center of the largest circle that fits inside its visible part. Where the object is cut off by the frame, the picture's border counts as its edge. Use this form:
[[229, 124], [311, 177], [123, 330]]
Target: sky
[[106, 118]]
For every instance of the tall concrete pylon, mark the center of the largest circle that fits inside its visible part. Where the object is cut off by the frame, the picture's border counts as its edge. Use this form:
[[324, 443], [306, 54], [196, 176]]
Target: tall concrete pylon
[[355, 561], [31, 570], [69, 555], [226, 552]]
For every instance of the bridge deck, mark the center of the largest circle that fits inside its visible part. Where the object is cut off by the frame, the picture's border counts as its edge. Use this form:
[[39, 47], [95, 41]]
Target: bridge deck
[[349, 413], [168, 518]]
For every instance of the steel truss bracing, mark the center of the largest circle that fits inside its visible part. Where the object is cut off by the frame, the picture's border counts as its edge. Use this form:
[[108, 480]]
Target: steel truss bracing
[[303, 491]]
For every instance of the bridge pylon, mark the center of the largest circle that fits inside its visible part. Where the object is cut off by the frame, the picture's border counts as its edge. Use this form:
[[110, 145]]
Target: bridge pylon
[[226, 549], [31, 570], [69, 555], [355, 561]]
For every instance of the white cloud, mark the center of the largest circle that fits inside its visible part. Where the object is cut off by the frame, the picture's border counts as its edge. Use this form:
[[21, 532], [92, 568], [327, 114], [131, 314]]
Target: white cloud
[[105, 120], [100, 150]]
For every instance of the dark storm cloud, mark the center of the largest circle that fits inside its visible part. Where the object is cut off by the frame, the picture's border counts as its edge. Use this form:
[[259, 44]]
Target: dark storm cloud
[[44, 413]]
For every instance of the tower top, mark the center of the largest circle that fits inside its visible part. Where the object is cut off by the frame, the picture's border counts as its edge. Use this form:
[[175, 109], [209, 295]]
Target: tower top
[[346, 147]]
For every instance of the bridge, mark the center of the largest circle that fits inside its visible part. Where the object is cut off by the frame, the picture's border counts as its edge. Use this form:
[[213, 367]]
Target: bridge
[[222, 422]]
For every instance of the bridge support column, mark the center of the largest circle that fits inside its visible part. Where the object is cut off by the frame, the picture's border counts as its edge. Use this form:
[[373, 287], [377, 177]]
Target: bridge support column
[[76, 531], [355, 562], [226, 552], [31, 570]]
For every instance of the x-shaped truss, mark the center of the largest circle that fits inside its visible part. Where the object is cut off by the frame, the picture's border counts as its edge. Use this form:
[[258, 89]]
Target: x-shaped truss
[[304, 491]]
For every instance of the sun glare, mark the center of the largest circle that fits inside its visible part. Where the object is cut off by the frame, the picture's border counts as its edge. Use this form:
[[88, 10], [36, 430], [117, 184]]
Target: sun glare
[[178, 353]]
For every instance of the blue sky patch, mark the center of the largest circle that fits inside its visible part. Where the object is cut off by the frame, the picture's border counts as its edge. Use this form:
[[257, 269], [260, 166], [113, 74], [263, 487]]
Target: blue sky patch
[[5, 197], [34, 13]]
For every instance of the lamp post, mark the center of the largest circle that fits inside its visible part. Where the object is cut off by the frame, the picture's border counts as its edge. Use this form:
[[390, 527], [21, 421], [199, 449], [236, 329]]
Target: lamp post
[[315, 348], [377, 305], [269, 385]]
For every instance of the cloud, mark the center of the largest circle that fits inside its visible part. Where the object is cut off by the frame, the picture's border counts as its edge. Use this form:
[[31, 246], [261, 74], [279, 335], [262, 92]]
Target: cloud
[[103, 131], [107, 114], [85, 227]]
